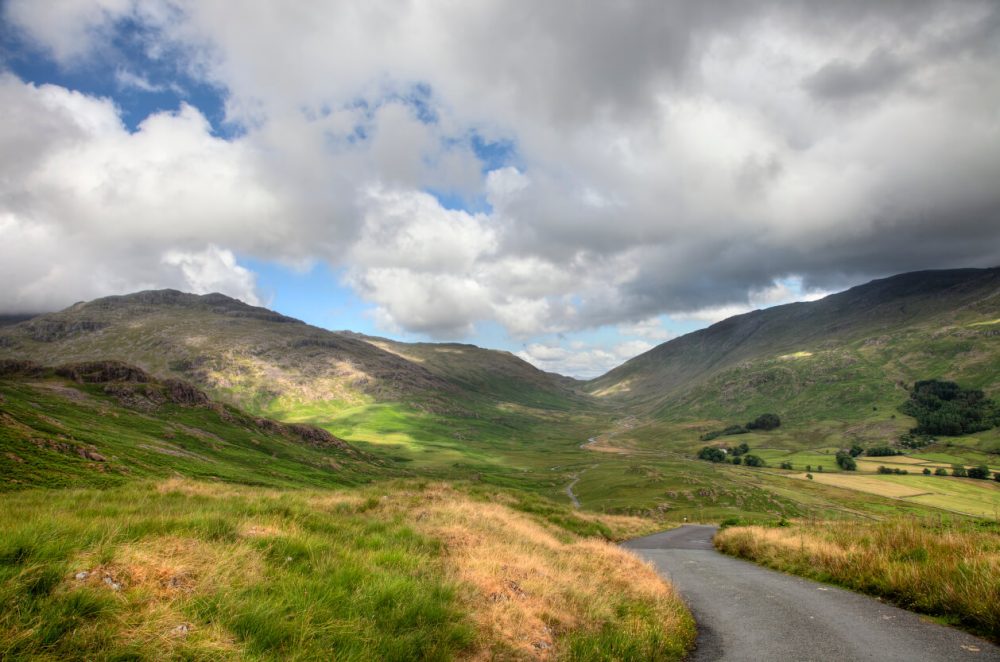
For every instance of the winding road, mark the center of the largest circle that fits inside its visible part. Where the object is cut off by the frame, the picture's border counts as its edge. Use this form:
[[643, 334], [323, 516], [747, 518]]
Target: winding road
[[747, 612]]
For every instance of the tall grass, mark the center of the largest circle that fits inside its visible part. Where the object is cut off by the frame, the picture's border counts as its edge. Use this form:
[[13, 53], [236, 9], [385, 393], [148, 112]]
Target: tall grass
[[189, 570], [944, 568]]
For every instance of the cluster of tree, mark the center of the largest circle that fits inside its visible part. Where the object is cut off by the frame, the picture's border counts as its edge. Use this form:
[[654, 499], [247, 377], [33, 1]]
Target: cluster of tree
[[846, 461], [896, 470], [883, 451], [982, 472], [738, 455], [725, 432], [945, 408], [762, 422], [712, 454]]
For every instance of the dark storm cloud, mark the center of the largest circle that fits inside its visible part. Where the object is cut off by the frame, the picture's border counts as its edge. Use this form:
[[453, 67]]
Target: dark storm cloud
[[879, 73]]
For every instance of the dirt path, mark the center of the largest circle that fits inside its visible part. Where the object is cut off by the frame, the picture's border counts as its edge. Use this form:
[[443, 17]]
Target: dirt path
[[747, 612], [569, 491]]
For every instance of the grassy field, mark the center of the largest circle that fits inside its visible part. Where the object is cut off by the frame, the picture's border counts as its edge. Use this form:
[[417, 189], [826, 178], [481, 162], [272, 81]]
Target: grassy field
[[401, 571], [979, 498], [944, 567]]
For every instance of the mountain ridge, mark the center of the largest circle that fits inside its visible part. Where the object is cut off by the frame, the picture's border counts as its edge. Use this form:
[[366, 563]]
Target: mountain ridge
[[880, 307], [252, 356]]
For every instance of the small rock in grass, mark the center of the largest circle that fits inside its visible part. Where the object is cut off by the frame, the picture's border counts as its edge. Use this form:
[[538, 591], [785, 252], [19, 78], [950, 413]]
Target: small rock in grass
[[182, 629], [82, 575], [115, 586]]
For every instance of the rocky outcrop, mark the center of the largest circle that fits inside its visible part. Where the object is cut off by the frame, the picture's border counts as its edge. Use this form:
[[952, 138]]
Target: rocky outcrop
[[20, 368], [47, 330], [100, 372], [183, 393]]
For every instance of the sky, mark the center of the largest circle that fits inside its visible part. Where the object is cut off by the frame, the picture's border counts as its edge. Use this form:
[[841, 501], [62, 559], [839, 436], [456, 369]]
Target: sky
[[574, 182]]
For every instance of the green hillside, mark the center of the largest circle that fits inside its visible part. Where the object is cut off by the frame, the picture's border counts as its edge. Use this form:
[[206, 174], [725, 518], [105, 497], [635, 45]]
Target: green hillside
[[107, 423], [840, 358]]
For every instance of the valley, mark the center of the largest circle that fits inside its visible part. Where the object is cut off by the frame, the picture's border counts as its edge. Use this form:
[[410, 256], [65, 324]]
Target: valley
[[291, 444]]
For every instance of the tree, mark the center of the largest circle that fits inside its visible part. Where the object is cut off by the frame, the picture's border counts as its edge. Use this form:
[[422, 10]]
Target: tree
[[737, 459], [856, 450], [927, 471], [940, 471], [958, 471], [742, 449], [753, 461]]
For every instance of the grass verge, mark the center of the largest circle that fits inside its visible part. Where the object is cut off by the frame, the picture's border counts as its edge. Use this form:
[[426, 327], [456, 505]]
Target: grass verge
[[948, 569], [183, 569]]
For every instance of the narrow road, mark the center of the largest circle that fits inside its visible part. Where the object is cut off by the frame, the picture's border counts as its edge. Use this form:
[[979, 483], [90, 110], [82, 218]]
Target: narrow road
[[747, 612]]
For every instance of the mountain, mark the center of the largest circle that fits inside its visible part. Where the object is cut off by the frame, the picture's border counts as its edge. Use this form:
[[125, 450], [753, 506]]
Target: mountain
[[257, 358], [837, 357], [103, 423]]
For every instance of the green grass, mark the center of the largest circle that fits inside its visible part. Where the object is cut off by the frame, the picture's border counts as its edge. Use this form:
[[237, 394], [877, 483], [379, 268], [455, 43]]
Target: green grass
[[974, 497], [48, 422], [190, 570], [318, 580]]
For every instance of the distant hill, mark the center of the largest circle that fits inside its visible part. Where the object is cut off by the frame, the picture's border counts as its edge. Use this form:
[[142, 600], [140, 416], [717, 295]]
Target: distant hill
[[838, 357], [254, 357]]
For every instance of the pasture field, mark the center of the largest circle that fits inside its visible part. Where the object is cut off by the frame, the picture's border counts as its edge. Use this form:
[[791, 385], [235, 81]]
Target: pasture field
[[978, 498]]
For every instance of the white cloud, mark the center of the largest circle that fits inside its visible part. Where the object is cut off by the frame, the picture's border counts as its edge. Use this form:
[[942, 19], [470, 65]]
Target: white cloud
[[651, 329], [721, 149], [579, 359], [129, 79], [90, 209], [213, 270]]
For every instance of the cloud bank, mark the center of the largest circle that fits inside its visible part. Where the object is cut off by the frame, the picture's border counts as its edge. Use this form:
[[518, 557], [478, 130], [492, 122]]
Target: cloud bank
[[543, 166]]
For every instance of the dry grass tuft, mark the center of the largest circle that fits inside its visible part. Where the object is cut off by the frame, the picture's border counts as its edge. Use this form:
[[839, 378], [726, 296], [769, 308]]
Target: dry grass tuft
[[527, 588], [940, 568], [155, 577]]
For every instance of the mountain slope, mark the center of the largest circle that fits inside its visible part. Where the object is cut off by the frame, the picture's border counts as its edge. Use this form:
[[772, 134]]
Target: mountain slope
[[494, 373], [841, 355], [104, 423], [255, 358]]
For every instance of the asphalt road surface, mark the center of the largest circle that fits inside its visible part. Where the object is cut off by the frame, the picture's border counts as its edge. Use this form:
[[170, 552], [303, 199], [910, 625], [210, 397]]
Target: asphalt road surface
[[747, 612]]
